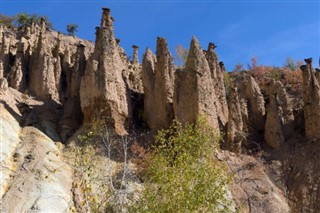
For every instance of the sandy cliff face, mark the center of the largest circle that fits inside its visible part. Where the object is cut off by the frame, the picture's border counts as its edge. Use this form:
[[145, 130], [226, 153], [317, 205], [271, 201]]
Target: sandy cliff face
[[68, 82], [34, 175], [103, 89]]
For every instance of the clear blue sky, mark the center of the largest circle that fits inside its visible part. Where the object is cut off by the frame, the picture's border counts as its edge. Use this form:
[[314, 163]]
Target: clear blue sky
[[269, 30]]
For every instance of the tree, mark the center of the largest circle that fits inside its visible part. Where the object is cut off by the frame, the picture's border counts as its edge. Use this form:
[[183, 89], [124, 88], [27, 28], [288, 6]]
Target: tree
[[6, 20], [289, 63], [26, 19], [181, 55], [72, 28], [183, 173]]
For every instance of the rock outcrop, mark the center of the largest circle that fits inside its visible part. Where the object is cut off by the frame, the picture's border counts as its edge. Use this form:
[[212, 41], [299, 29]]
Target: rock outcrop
[[279, 120], [194, 91], [311, 91], [42, 74], [133, 73], [235, 134], [273, 134], [148, 73], [217, 74], [35, 176], [255, 103], [163, 88], [16, 77], [103, 91]]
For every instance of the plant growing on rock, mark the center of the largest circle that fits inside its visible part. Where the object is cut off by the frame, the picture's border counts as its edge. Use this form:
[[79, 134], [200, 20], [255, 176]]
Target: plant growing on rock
[[26, 19], [6, 21], [183, 172], [181, 55], [72, 28]]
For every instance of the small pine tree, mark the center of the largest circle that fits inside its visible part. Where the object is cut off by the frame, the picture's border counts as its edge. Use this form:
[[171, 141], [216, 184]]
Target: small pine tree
[[72, 28]]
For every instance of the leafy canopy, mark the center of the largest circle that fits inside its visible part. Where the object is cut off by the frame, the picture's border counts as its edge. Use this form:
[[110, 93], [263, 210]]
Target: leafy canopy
[[183, 174]]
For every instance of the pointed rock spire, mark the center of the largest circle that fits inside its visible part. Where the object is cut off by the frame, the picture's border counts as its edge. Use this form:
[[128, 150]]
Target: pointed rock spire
[[217, 74], [279, 113], [256, 106], [16, 77], [135, 59], [164, 86], [235, 136], [311, 98], [194, 91], [102, 90], [148, 75], [42, 75]]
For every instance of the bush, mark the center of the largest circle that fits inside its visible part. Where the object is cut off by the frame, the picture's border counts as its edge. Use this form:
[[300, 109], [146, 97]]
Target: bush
[[6, 21], [183, 174], [25, 19], [72, 28]]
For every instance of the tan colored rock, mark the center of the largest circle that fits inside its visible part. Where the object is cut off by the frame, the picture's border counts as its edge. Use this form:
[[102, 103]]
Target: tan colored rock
[[103, 90], [284, 105], [235, 135], [244, 114], [16, 77], [4, 54], [42, 74], [135, 59], [163, 88], [194, 91], [317, 74], [256, 108], [311, 90], [273, 133], [217, 74], [148, 75], [3, 85], [35, 176], [1, 69], [1, 32]]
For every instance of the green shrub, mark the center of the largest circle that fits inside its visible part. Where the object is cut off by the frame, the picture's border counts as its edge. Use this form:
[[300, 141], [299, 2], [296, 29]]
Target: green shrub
[[183, 174]]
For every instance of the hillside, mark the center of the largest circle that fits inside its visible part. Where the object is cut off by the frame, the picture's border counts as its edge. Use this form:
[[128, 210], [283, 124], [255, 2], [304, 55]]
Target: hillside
[[63, 99]]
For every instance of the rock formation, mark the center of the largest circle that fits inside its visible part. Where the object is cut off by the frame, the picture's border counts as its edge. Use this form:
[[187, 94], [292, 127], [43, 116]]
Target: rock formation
[[311, 91], [194, 91], [255, 103], [103, 91], [132, 74], [217, 74], [135, 59], [163, 88], [72, 116], [16, 77], [235, 135], [274, 135], [148, 73], [42, 73]]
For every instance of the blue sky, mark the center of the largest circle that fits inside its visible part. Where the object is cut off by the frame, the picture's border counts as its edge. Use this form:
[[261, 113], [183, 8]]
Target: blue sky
[[269, 30]]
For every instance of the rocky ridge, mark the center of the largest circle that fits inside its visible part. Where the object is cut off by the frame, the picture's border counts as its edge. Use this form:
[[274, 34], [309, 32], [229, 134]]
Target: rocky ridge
[[79, 82]]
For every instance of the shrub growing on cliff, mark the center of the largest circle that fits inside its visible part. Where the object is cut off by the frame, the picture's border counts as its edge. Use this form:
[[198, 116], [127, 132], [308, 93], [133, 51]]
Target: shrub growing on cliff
[[25, 19], [72, 28], [183, 174], [6, 20]]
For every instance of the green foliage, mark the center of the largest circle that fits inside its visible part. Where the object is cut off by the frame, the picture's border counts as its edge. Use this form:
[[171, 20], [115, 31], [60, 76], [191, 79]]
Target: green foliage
[[25, 19], [289, 63], [183, 174], [72, 28], [227, 83], [6, 21]]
